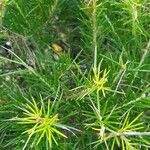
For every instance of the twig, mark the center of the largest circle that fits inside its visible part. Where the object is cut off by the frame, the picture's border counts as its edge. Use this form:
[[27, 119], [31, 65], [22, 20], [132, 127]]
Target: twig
[[142, 60], [94, 33], [132, 102], [121, 74], [135, 133]]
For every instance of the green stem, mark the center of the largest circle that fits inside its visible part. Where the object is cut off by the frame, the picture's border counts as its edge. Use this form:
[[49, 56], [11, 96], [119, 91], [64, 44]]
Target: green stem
[[98, 102], [94, 33]]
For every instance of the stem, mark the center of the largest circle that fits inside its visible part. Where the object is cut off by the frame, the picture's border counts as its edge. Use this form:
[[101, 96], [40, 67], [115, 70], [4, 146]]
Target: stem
[[136, 133], [132, 102], [94, 33], [134, 19], [145, 53], [129, 133], [98, 102], [146, 50], [121, 74]]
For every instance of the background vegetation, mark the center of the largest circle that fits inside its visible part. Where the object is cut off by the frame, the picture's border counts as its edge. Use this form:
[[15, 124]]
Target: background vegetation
[[75, 74]]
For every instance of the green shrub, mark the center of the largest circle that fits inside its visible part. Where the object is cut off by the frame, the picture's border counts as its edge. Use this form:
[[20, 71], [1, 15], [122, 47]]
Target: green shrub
[[76, 76]]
